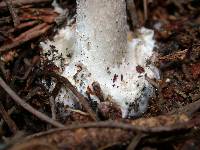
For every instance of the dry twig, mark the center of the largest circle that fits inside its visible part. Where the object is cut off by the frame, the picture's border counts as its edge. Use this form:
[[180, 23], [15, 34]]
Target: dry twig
[[17, 3], [12, 12], [26, 36], [135, 141], [5, 20], [24, 25], [111, 131], [188, 109], [28, 107], [11, 124], [80, 98], [145, 5], [53, 107], [132, 10], [124, 126]]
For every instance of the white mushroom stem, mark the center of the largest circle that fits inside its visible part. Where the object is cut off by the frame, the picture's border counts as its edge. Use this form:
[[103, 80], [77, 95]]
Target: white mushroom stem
[[102, 31], [101, 53]]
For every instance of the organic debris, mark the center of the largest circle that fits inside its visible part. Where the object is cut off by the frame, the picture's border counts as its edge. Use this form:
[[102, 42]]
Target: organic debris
[[28, 108]]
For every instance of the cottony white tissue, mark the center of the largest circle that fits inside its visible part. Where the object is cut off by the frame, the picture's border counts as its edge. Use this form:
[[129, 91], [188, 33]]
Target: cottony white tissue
[[124, 84]]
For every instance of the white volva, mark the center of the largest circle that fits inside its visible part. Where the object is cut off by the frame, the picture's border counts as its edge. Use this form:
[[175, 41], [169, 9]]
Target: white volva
[[101, 52]]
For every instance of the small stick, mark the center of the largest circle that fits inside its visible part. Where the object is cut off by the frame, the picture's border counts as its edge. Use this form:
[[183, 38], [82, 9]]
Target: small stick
[[78, 111], [4, 71], [18, 3], [97, 90], [33, 92], [23, 25], [188, 109], [53, 107], [28, 107], [125, 126], [152, 82], [52, 102], [13, 13], [158, 87], [30, 67], [11, 124], [145, 4], [5, 20], [80, 98], [26, 36], [56, 89], [132, 10], [135, 141]]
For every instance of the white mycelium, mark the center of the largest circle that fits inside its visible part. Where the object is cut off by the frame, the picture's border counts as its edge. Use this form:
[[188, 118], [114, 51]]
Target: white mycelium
[[100, 51]]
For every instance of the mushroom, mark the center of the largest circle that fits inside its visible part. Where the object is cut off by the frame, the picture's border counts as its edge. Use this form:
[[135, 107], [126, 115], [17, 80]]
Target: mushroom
[[102, 53]]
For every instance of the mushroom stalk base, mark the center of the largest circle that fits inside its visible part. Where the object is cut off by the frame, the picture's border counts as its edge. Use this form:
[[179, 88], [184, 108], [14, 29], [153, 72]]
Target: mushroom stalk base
[[101, 52]]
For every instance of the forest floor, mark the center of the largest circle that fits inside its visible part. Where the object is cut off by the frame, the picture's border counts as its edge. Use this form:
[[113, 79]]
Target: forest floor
[[28, 110]]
